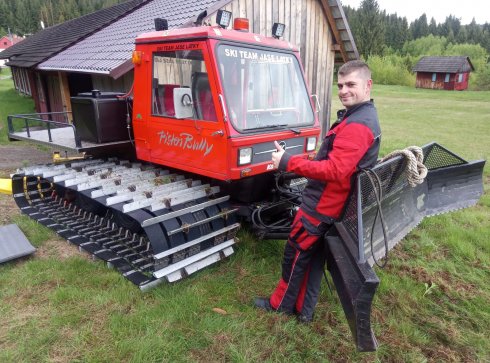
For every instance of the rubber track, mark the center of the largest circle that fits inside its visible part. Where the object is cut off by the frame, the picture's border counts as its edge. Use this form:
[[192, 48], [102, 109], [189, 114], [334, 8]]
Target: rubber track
[[113, 236]]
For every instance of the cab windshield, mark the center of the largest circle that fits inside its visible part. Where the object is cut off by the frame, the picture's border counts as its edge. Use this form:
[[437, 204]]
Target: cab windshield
[[263, 89]]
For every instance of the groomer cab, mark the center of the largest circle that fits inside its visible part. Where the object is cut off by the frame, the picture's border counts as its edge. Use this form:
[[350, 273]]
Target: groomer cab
[[212, 101]]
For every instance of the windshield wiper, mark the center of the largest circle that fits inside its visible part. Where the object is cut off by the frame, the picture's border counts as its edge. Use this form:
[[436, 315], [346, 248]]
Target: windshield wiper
[[266, 127], [294, 130]]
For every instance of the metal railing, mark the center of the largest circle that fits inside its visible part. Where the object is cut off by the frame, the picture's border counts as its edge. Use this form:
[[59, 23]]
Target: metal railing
[[38, 117]]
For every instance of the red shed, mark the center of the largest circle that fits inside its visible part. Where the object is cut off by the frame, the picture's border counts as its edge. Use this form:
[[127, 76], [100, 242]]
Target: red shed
[[7, 41], [449, 73]]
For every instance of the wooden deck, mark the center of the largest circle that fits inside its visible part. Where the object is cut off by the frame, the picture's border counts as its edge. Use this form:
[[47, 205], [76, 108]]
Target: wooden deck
[[64, 138]]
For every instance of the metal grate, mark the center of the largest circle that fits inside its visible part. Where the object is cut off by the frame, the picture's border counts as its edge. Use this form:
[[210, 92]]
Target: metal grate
[[402, 205], [436, 156]]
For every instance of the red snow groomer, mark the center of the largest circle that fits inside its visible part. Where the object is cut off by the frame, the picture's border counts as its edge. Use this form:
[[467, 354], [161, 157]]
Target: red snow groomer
[[197, 137]]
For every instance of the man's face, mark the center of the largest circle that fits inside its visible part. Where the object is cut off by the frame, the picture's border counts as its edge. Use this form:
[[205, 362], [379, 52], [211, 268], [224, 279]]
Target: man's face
[[354, 89]]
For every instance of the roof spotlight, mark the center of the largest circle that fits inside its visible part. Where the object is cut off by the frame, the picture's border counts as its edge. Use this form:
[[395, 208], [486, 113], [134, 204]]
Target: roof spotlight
[[278, 30], [223, 18], [161, 24]]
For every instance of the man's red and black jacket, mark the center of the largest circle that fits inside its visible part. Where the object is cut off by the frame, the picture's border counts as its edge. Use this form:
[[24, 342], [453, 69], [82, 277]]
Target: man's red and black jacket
[[351, 144]]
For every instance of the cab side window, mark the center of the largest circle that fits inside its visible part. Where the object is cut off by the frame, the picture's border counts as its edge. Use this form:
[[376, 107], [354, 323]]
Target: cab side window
[[175, 71]]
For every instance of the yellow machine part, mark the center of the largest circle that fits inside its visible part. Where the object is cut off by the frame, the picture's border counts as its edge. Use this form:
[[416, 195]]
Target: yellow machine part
[[57, 158], [6, 186]]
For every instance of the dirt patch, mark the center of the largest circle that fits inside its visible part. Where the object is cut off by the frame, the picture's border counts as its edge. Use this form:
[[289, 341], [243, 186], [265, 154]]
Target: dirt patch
[[8, 209], [17, 156], [444, 280], [217, 349], [59, 249]]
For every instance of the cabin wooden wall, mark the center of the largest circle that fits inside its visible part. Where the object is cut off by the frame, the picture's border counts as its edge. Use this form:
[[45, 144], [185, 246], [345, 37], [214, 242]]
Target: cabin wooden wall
[[307, 27], [108, 84], [424, 80]]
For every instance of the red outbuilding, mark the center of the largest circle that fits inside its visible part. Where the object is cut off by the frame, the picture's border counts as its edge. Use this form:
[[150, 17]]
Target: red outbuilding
[[7, 41], [449, 73]]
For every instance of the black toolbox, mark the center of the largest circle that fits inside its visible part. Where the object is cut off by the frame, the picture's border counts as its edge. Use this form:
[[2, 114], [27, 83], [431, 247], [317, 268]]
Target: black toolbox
[[100, 117]]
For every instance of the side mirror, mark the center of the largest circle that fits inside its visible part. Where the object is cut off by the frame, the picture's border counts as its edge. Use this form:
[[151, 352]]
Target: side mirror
[[317, 103], [183, 103]]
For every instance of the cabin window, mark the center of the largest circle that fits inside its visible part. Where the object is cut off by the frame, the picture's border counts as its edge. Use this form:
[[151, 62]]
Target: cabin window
[[182, 75], [460, 77], [434, 77], [446, 79]]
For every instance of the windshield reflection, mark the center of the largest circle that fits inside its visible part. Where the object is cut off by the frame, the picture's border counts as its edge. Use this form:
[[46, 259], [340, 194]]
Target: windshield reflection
[[263, 88]]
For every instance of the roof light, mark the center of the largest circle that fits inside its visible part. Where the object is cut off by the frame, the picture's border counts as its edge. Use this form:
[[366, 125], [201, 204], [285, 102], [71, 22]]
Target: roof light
[[278, 30], [241, 24], [223, 18], [136, 58], [161, 24]]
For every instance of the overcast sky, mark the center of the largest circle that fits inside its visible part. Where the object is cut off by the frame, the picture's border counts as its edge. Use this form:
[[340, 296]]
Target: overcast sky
[[465, 10]]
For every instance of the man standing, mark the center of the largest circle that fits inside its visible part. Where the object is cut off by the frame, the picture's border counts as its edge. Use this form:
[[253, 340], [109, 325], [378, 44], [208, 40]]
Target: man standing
[[351, 144]]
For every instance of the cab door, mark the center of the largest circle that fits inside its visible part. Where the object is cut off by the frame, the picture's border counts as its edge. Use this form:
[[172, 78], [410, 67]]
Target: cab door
[[186, 125]]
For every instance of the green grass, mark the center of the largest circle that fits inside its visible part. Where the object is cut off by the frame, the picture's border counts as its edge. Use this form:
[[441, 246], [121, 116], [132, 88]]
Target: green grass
[[432, 303], [11, 103]]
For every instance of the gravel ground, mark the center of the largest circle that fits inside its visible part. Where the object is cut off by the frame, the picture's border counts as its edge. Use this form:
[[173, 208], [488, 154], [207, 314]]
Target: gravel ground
[[14, 156], [17, 155]]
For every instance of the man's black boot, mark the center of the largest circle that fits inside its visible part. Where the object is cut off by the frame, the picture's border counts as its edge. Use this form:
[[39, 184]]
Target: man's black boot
[[263, 303], [304, 319]]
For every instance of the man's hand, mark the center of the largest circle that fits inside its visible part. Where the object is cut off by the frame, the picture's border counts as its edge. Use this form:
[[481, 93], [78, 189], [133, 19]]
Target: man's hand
[[277, 155]]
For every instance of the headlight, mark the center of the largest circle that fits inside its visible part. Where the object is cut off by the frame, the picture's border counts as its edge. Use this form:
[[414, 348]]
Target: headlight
[[245, 156], [310, 143]]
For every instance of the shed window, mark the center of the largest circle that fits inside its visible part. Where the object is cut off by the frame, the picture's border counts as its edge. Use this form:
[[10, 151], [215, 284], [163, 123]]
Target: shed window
[[460, 77], [21, 80], [447, 78], [434, 76]]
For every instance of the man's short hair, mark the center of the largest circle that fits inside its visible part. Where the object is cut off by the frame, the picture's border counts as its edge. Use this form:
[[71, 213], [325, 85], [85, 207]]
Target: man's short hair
[[355, 65]]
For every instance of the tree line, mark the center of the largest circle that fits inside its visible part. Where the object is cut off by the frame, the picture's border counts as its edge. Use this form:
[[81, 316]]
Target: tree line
[[389, 43], [375, 31], [24, 17], [392, 46]]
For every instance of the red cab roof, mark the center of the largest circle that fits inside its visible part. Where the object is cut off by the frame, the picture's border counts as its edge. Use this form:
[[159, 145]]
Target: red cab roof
[[215, 32]]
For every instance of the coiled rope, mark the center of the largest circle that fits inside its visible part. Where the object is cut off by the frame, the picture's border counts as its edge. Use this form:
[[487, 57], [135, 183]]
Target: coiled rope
[[416, 170]]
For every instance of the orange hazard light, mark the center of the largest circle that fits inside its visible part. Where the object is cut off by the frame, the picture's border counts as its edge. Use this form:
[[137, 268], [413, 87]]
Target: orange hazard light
[[136, 58], [241, 24]]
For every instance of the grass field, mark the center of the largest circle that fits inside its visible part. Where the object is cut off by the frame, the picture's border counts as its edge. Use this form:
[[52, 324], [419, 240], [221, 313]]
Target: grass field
[[432, 303], [10, 102]]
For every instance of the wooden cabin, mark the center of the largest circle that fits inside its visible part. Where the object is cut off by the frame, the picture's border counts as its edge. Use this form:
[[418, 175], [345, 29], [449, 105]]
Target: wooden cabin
[[450, 73], [94, 51]]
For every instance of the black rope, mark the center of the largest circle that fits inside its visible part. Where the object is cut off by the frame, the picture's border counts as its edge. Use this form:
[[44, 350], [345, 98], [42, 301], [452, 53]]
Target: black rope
[[378, 192], [129, 110], [258, 222], [327, 281]]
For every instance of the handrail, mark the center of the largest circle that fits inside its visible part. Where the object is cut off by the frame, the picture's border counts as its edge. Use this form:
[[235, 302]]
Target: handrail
[[27, 117]]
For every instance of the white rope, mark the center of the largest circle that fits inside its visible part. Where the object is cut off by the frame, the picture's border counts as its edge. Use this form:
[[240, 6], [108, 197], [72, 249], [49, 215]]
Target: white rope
[[416, 170]]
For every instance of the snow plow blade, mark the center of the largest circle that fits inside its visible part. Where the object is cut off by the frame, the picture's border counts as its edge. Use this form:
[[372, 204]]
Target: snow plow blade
[[356, 243]]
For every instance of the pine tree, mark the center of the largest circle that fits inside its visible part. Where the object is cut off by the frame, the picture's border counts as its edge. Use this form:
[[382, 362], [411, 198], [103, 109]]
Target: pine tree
[[419, 27], [433, 26], [369, 28]]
